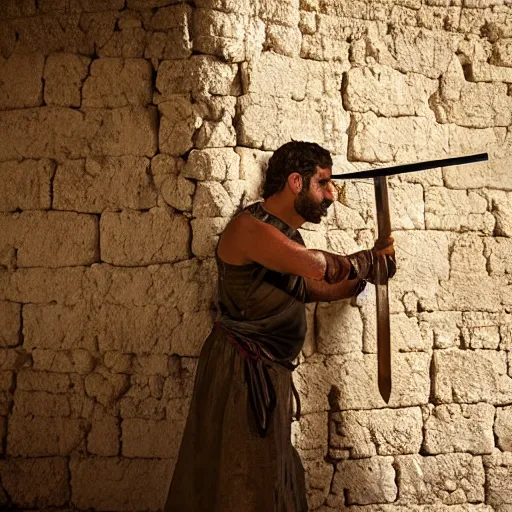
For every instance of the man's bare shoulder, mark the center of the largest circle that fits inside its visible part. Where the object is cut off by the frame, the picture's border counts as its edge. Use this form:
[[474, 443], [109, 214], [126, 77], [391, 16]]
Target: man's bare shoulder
[[234, 239]]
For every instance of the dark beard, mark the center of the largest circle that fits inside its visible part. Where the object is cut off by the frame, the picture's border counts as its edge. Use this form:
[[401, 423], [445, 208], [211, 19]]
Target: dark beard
[[308, 209]]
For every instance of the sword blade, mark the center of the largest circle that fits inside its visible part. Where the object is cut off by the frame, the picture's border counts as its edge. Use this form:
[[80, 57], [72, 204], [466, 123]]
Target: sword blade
[[381, 289], [414, 167]]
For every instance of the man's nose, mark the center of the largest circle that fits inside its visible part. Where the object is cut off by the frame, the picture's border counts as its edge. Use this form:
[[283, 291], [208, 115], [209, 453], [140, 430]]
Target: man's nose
[[330, 192]]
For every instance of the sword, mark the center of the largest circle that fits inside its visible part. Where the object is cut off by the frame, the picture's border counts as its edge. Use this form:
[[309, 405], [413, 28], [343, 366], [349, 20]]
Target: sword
[[384, 231]]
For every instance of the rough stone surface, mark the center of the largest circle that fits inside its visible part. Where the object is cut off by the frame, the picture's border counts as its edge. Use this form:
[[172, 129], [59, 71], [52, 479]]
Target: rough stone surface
[[499, 469]]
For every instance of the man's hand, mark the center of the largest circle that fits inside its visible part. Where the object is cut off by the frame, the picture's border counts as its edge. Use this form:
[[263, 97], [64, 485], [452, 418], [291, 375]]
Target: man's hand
[[384, 248]]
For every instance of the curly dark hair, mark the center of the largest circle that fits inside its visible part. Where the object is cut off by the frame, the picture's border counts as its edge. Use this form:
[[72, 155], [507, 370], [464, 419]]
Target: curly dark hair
[[294, 156]]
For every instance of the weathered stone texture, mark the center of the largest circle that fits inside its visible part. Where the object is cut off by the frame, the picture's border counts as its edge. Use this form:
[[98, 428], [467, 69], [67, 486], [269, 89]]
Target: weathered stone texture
[[119, 483], [471, 376], [97, 184], [26, 185], [52, 239], [449, 479], [10, 324], [361, 434], [459, 428], [131, 238], [499, 471]]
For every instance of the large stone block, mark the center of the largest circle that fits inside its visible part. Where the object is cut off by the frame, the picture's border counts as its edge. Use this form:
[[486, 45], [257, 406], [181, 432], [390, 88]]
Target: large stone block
[[201, 75], [407, 207], [498, 468], [471, 376], [26, 185], [387, 92], [457, 210], [324, 122], [64, 74], [361, 434], [318, 481], [10, 324], [502, 428], [118, 484], [441, 329], [54, 132], [36, 482], [482, 330], [42, 437], [310, 435], [404, 139], [103, 438], [117, 83], [41, 403], [449, 479], [218, 164], [51, 239], [501, 209], [30, 380], [151, 439], [103, 183], [212, 200], [467, 256], [339, 328], [284, 40], [475, 105], [22, 84], [459, 428], [497, 251], [132, 238], [41, 285], [361, 482], [73, 361]]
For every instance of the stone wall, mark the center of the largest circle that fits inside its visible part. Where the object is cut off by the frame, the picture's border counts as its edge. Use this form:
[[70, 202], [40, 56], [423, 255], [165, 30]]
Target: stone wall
[[131, 130]]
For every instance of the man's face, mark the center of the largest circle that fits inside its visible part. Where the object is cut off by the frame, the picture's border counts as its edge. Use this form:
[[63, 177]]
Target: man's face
[[312, 202]]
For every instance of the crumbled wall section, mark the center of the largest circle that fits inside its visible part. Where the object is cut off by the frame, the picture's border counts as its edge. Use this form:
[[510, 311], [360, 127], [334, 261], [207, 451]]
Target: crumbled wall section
[[130, 132]]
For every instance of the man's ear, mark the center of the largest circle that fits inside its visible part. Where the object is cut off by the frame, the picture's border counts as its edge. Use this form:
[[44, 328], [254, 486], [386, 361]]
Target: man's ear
[[295, 182]]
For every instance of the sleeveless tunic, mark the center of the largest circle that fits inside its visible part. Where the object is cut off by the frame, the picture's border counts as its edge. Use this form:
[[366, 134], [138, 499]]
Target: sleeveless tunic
[[227, 462]]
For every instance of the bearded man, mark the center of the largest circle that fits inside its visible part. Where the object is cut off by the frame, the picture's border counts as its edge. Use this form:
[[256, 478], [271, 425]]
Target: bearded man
[[236, 454]]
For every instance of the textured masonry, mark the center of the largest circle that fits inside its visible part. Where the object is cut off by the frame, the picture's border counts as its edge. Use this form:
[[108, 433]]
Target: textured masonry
[[132, 130]]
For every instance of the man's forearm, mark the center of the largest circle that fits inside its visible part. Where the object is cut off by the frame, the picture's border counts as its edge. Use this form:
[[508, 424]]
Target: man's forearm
[[321, 291]]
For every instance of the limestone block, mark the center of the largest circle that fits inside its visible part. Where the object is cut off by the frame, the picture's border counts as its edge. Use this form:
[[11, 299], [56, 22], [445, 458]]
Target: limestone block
[[466, 256], [346, 218], [107, 483], [171, 38], [310, 436], [21, 85], [128, 42], [449, 479], [497, 251], [441, 329], [30, 380], [115, 82], [36, 482], [42, 437], [318, 481], [362, 434], [132, 238], [64, 74], [180, 383], [97, 184], [41, 403], [457, 210], [217, 134], [178, 124], [253, 164], [324, 122], [42, 285], [482, 330], [475, 105], [339, 328], [405, 332], [212, 200], [361, 482], [459, 428], [176, 191], [502, 428], [74, 361], [498, 468], [387, 92], [147, 407], [234, 37], [15, 9], [501, 209], [189, 336], [471, 376], [103, 438], [54, 132], [328, 42], [205, 235], [502, 53], [284, 40], [201, 75], [151, 439], [10, 324], [407, 208], [422, 51], [106, 388], [217, 164], [405, 139], [435, 16], [26, 185], [51, 239]]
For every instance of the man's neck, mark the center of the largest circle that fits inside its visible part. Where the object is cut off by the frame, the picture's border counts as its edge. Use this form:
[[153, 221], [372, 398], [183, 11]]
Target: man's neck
[[284, 210]]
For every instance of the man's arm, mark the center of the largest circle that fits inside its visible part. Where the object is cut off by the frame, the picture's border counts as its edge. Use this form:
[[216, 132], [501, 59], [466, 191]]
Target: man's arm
[[321, 291]]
